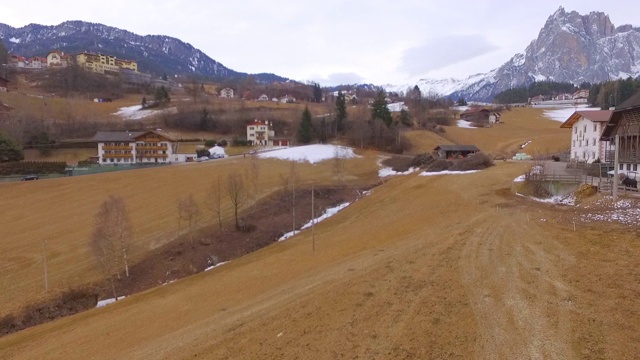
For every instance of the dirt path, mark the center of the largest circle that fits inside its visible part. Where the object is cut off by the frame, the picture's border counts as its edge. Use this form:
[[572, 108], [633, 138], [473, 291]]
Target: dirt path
[[449, 267]]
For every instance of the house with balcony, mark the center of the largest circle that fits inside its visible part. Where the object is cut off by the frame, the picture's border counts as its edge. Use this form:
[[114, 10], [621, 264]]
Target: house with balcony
[[136, 147], [586, 130], [227, 93], [624, 124], [261, 133]]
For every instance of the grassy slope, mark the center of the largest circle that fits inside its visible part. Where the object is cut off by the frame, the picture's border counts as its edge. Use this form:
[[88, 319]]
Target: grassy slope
[[520, 125], [60, 211], [425, 267]]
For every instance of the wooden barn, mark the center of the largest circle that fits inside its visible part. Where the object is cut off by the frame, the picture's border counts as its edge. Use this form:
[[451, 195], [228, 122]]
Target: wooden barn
[[455, 151]]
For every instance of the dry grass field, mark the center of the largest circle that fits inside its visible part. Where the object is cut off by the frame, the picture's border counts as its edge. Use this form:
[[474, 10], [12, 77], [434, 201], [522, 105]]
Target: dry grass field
[[61, 211], [441, 267], [424, 141], [520, 125], [71, 156]]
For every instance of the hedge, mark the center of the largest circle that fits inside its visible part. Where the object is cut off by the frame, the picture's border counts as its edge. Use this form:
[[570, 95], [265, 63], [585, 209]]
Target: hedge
[[33, 168]]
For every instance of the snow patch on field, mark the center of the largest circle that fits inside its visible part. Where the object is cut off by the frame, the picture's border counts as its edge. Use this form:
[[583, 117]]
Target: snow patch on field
[[215, 266], [135, 112], [447, 172], [568, 200], [311, 153], [106, 302], [327, 214], [520, 178], [624, 211], [563, 114], [384, 172], [466, 124]]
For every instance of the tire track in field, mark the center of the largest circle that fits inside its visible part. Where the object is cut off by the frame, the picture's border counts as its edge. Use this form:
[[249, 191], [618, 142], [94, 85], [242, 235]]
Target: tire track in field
[[516, 290]]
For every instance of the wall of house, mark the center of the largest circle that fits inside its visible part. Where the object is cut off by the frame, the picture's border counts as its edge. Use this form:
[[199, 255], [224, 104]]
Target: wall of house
[[585, 141]]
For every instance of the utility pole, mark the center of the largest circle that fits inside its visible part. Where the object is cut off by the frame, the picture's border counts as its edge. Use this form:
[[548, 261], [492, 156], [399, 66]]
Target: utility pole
[[46, 276], [313, 220], [615, 168]]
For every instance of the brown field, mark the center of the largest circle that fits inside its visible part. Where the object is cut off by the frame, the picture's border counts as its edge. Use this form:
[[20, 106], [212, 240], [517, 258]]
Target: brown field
[[424, 141], [440, 267], [60, 211], [423, 268], [520, 125]]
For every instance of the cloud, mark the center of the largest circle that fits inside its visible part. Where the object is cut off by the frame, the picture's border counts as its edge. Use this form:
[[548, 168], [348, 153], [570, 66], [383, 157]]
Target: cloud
[[444, 51], [340, 79]]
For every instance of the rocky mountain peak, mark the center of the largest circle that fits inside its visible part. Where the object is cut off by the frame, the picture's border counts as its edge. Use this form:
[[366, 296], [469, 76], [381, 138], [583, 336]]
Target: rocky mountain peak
[[570, 47]]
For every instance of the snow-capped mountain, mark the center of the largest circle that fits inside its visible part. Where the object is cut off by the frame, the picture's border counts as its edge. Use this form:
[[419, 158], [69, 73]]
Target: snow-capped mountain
[[570, 48], [155, 54]]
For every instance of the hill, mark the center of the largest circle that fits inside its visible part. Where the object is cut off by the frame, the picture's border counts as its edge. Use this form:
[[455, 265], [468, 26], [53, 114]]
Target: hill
[[155, 54]]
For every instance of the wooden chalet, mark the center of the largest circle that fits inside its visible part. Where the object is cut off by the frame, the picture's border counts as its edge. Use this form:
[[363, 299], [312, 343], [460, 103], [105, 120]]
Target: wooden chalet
[[625, 124], [455, 151]]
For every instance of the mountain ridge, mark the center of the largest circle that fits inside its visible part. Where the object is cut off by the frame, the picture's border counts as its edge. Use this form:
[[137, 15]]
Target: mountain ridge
[[155, 54], [570, 47]]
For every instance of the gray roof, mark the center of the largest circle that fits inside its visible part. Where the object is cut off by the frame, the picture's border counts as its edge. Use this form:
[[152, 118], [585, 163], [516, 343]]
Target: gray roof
[[457, 148], [113, 136]]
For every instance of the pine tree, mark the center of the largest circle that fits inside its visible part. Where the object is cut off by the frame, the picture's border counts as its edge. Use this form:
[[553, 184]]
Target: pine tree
[[462, 102], [380, 110], [317, 92], [405, 118], [305, 132], [341, 113], [10, 150]]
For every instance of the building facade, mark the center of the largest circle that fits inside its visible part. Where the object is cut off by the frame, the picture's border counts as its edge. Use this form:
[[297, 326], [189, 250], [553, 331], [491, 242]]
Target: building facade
[[586, 129], [227, 93], [625, 124], [101, 63], [130, 147]]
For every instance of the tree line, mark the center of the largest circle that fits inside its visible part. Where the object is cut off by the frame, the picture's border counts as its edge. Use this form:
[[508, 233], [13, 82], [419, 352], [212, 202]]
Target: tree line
[[545, 88]]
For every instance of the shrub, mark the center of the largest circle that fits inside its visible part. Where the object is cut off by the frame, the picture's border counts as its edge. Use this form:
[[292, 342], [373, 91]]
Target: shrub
[[241, 142], [477, 161], [421, 160], [222, 143], [439, 165], [210, 143], [33, 167]]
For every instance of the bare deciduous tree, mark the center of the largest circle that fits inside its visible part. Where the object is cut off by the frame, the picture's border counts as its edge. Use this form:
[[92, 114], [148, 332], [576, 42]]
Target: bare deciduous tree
[[237, 194], [214, 202], [189, 211], [111, 237]]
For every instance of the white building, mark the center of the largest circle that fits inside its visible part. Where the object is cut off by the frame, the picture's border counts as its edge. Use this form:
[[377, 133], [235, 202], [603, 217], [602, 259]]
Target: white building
[[137, 147], [227, 93], [586, 129], [260, 133]]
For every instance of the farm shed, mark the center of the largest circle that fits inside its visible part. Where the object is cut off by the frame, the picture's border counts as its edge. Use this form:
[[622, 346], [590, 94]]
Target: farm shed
[[455, 151]]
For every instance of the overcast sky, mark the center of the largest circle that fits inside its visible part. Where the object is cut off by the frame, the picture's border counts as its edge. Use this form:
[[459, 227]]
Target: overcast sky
[[332, 41]]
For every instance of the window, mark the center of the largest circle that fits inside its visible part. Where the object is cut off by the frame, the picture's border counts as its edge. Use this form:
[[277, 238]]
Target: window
[[595, 127], [635, 167], [621, 167], [584, 128], [629, 167], [594, 142], [575, 129]]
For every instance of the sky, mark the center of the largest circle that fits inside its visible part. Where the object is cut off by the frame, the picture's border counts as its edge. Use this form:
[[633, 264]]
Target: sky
[[332, 41]]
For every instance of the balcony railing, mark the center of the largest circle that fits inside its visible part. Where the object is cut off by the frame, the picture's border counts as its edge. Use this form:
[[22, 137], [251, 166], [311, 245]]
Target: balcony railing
[[152, 148], [117, 147], [140, 156], [117, 156], [152, 140]]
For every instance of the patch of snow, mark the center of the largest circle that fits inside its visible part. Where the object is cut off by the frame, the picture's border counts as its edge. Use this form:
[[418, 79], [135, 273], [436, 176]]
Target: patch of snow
[[106, 302], [465, 124], [327, 214], [447, 172], [311, 153], [520, 178], [525, 144], [569, 200], [15, 40], [384, 172], [215, 266], [397, 107], [135, 112], [562, 114]]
